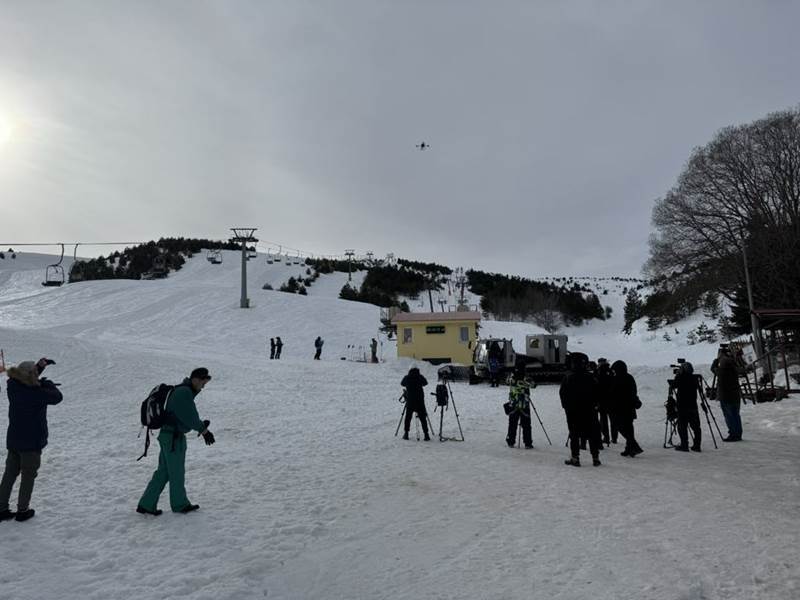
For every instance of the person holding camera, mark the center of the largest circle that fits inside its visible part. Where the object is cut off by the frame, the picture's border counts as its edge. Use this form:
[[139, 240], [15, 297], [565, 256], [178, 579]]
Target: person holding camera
[[414, 382], [686, 399], [171, 469], [28, 398], [625, 403], [578, 394], [518, 409], [728, 393]]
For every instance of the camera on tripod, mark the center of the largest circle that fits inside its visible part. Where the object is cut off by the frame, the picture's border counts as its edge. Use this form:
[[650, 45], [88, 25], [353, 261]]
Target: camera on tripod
[[442, 395], [679, 367]]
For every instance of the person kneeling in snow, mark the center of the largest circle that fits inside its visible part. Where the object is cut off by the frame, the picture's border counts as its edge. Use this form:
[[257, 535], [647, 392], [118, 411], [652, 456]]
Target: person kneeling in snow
[[415, 400], [172, 439], [28, 398]]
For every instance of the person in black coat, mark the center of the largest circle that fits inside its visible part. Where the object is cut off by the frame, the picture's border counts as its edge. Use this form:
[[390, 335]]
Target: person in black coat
[[414, 383], [278, 347], [688, 416], [578, 394], [271, 348], [28, 398], [608, 428], [318, 347], [624, 403]]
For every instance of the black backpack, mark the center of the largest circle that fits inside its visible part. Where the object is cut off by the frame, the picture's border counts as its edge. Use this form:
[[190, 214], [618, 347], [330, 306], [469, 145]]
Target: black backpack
[[154, 411]]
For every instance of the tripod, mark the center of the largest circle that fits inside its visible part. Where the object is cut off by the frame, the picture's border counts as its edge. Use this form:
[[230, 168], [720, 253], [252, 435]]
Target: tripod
[[402, 400], [671, 405], [444, 396]]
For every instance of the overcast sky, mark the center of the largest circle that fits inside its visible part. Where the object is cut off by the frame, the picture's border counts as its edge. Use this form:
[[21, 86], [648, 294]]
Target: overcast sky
[[552, 125]]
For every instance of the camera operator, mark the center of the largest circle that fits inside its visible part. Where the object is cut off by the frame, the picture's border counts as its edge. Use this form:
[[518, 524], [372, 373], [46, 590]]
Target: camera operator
[[685, 383], [728, 394], [28, 398], [415, 400], [578, 394], [518, 410]]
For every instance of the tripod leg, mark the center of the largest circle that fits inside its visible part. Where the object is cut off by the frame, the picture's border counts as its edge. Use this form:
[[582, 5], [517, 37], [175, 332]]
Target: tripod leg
[[458, 421], [402, 414], [538, 418], [666, 428]]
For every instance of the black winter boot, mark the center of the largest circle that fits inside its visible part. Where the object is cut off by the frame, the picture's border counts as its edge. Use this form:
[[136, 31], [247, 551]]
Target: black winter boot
[[682, 448], [405, 435], [596, 461], [695, 448], [25, 515], [7, 515], [143, 511], [427, 437], [189, 508], [574, 461]]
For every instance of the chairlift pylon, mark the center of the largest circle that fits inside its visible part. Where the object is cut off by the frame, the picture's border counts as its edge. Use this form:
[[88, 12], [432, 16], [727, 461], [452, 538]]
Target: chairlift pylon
[[54, 274]]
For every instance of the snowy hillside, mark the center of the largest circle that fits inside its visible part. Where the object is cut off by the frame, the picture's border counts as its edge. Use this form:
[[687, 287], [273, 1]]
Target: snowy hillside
[[307, 494]]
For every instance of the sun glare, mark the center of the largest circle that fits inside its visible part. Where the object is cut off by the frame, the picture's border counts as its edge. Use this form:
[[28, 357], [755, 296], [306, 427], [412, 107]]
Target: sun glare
[[6, 130]]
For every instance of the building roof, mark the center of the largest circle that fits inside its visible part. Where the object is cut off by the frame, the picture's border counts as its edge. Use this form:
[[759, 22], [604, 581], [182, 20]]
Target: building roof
[[436, 317], [778, 318]]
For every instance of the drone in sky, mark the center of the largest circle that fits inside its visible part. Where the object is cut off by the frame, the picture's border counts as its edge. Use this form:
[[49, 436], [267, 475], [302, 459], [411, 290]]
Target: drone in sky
[[423, 146]]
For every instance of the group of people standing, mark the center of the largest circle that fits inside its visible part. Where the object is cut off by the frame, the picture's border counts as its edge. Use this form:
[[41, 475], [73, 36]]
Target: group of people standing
[[600, 404], [275, 347]]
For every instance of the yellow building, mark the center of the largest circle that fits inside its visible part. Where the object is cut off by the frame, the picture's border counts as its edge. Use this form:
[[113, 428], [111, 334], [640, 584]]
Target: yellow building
[[437, 337]]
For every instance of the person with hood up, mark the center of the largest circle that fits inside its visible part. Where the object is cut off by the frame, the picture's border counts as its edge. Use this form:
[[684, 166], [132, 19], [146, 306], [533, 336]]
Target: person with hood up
[[495, 357], [625, 401], [608, 428], [318, 345], [728, 393], [519, 410], [578, 394], [688, 416], [414, 383], [182, 411], [28, 399]]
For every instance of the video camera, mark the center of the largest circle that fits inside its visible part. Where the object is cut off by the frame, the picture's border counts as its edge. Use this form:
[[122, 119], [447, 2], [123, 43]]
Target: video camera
[[442, 394], [679, 367]]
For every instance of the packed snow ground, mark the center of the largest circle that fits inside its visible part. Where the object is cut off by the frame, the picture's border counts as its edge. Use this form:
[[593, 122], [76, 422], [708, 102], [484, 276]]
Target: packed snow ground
[[308, 494]]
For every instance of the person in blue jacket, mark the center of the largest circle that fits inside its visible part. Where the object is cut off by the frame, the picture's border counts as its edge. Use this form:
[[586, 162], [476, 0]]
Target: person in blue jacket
[[28, 399]]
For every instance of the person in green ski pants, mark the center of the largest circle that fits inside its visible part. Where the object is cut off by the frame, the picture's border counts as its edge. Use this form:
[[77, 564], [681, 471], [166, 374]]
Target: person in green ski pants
[[172, 439]]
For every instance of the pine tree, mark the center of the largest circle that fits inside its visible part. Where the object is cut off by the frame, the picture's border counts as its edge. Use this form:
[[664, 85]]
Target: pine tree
[[633, 310]]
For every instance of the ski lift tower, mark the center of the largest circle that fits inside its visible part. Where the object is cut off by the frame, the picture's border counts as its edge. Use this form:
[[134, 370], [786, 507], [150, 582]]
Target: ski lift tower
[[349, 253], [244, 235]]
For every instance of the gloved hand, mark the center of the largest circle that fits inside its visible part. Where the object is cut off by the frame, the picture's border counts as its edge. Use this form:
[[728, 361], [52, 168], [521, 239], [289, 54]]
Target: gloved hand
[[208, 437], [43, 362]]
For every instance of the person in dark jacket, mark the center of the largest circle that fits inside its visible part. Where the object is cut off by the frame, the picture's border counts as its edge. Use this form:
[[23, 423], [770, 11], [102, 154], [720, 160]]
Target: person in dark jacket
[[28, 399], [183, 418], [318, 345], [278, 347], [578, 394], [373, 348], [519, 410], [271, 348], [688, 415], [608, 428], [728, 393], [415, 400], [494, 360], [624, 403]]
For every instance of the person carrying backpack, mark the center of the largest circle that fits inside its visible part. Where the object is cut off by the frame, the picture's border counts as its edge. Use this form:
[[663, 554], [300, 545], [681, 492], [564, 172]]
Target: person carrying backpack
[[28, 399], [182, 417]]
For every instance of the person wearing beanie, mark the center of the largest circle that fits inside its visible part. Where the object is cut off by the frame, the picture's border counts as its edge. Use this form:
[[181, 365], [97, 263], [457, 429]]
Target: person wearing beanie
[[28, 399], [183, 418]]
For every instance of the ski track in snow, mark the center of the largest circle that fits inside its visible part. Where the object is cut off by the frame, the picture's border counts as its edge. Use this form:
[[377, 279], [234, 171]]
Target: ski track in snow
[[307, 493]]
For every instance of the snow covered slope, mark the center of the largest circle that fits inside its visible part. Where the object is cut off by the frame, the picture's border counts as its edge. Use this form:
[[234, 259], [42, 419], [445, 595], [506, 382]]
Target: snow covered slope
[[307, 494]]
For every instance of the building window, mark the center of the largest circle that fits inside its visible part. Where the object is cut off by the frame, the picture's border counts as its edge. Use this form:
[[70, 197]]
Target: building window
[[407, 335], [434, 329], [463, 335]]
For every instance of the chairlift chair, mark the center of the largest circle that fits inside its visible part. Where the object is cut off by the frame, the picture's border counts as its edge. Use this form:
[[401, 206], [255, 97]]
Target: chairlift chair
[[75, 271], [54, 274], [216, 257]]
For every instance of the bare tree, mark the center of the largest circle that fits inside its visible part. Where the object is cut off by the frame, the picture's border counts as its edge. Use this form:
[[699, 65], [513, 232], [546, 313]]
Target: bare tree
[[741, 190]]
